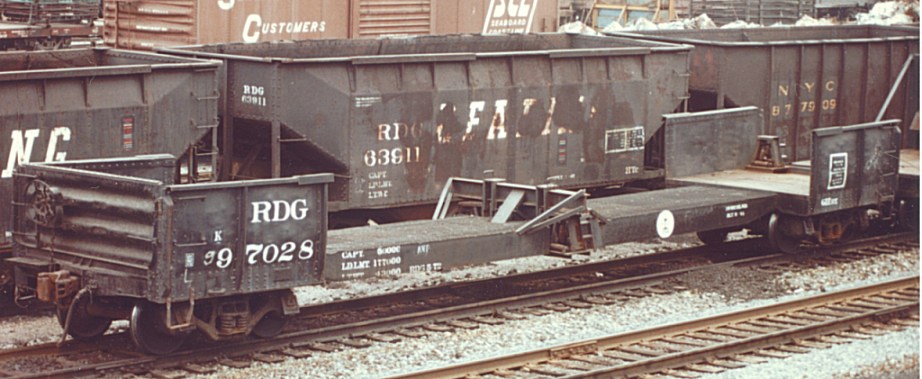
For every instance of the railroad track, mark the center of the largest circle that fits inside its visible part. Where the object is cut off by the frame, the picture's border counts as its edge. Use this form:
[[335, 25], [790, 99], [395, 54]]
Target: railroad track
[[380, 319], [717, 343]]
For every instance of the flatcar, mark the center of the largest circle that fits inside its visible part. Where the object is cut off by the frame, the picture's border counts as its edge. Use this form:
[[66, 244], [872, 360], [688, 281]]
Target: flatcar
[[46, 24], [221, 258]]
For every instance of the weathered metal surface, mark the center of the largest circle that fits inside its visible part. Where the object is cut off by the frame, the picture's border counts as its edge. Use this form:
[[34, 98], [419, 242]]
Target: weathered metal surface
[[142, 238], [491, 226], [703, 142], [423, 246], [803, 78], [397, 117], [146, 24], [765, 12], [93, 103], [674, 211], [854, 166], [45, 11]]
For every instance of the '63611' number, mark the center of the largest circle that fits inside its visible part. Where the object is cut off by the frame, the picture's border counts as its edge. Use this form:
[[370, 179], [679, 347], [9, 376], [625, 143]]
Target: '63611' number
[[266, 253]]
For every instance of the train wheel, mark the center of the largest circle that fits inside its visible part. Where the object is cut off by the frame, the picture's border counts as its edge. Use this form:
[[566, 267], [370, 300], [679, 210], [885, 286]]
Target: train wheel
[[270, 325], [149, 333], [83, 326], [713, 237], [779, 239]]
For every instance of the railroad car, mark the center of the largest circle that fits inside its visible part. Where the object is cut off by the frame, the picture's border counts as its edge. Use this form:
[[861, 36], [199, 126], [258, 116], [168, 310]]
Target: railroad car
[[146, 24], [399, 116], [101, 102], [45, 24], [807, 78], [221, 258]]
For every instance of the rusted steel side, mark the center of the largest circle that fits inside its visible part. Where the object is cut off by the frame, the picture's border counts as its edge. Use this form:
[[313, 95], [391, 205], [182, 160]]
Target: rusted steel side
[[802, 77], [95, 103], [145, 24], [148, 239], [396, 117]]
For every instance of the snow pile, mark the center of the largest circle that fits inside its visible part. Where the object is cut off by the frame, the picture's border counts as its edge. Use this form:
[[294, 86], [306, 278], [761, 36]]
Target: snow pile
[[810, 21], [740, 24], [577, 27], [700, 22], [890, 13]]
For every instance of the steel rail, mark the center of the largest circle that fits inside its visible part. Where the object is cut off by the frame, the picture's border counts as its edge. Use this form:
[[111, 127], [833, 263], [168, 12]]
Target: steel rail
[[362, 329], [679, 359]]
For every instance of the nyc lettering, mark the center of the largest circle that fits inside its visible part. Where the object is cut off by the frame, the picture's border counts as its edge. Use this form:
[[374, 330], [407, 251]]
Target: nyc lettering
[[22, 143], [254, 95], [805, 106], [267, 253], [736, 210], [279, 211]]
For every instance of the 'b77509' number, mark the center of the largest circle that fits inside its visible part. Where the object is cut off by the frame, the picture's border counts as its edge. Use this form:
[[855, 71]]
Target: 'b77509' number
[[266, 253]]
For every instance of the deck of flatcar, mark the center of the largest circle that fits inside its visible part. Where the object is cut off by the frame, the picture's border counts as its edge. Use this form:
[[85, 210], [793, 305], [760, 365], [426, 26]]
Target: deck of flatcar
[[428, 245]]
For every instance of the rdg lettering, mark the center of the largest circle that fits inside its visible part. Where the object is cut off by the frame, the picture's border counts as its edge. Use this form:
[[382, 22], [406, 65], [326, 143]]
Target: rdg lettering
[[279, 210]]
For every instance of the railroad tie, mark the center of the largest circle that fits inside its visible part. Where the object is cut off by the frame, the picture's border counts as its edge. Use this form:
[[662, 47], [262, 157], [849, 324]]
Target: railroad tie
[[487, 320], [197, 369], [357, 343], [681, 374], [164, 374], [233, 363], [569, 364], [461, 324], [770, 354], [268, 358], [750, 328], [704, 369], [639, 351], [438, 328], [409, 333], [682, 342], [542, 370], [812, 344], [904, 322], [749, 358], [729, 333], [621, 356], [296, 353], [724, 363], [384, 338], [791, 349]]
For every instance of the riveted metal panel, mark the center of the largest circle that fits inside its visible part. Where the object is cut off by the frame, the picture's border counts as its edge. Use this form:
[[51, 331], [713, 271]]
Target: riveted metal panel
[[97, 103], [802, 77], [396, 117], [147, 24]]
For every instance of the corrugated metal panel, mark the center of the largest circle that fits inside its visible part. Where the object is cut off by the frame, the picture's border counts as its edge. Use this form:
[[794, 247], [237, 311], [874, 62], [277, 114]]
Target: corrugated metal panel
[[394, 17], [145, 24]]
